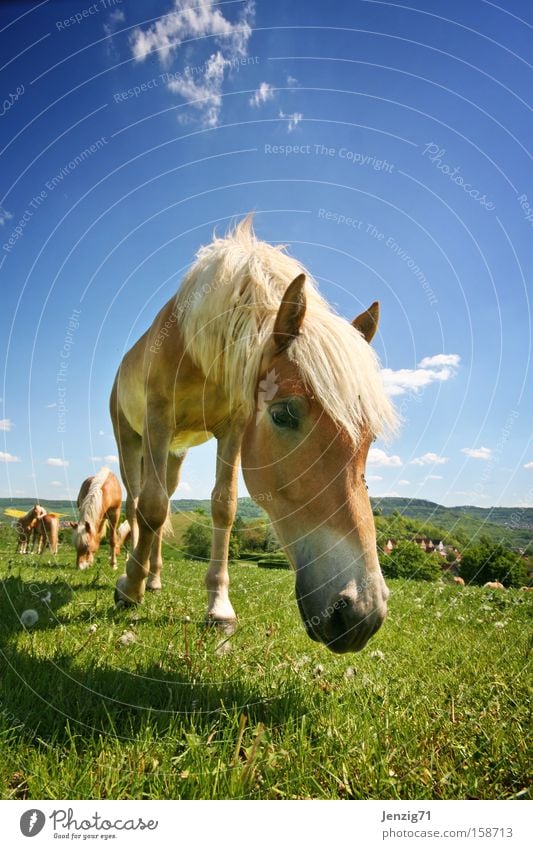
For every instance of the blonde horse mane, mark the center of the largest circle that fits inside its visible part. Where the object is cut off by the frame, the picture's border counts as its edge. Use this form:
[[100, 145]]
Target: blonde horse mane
[[227, 306], [92, 504]]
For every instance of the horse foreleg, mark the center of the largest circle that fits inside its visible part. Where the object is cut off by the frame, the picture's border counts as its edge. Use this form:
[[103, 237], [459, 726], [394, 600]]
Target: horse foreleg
[[174, 464], [223, 508], [151, 514]]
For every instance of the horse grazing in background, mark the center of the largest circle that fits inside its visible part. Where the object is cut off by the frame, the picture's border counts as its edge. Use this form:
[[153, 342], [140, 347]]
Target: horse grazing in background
[[249, 352], [99, 501], [25, 525], [46, 533]]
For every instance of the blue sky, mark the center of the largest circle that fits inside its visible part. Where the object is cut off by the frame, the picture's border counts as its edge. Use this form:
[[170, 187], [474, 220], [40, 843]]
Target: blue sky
[[385, 144]]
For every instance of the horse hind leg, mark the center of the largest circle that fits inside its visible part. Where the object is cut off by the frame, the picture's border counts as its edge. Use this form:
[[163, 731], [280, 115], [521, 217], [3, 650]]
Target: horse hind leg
[[174, 465], [113, 518], [152, 509]]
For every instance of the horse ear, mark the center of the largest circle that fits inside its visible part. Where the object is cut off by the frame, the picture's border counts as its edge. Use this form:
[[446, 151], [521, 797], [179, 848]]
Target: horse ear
[[87, 527], [290, 314], [367, 322], [73, 524]]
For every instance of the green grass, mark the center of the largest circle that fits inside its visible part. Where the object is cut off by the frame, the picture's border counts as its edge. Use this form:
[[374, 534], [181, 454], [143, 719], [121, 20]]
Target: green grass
[[434, 708]]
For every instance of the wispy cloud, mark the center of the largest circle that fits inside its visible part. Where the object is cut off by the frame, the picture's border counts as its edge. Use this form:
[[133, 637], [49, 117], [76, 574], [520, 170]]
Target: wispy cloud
[[374, 478], [109, 458], [478, 453], [440, 360], [6, 424], [429, 459], [8, 458], [404, 483], [201, 86], [378, 457], [56, 483], [292, 120], [264, 92], [528, 465], [438, 368], [4, 216], [57, 461], [433, 478]]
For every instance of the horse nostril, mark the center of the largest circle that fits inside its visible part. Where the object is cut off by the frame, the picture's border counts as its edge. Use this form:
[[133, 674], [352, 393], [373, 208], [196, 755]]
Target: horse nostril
[[338, 621]]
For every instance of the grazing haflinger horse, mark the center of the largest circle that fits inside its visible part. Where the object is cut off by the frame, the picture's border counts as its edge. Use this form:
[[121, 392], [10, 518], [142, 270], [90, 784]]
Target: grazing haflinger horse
[[46, 533], [99, 503], [25, 526], [250, 353]]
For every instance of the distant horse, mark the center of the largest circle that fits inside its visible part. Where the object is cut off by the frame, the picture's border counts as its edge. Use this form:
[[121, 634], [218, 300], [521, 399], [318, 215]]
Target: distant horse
[[249, 352], [25, 525], [46, 533], [494, 585], [458, 580], [99, 500]]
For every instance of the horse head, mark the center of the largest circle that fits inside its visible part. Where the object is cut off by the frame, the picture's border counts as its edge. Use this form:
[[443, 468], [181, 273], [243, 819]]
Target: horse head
[[306, 467]]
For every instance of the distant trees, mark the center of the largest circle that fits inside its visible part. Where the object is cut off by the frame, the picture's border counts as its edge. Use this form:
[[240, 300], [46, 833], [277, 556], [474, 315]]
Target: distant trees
[[407, 560], [197, 537], [492, 562]]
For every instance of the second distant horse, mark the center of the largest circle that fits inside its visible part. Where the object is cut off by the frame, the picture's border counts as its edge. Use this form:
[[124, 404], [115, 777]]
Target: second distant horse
[[99, 501]]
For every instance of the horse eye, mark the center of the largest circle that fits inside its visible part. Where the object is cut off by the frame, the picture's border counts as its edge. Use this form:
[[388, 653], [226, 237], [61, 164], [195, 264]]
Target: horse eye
[[283, 416]]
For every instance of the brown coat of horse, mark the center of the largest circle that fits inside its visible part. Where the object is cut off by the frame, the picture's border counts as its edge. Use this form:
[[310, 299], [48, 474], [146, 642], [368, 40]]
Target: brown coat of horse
[[25, 525], [99, 501], [250, 353], [46, 533]]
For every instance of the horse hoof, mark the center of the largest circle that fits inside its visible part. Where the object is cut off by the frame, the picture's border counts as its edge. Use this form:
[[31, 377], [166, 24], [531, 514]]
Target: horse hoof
[[123, 598], [227, 627], [153, 589]]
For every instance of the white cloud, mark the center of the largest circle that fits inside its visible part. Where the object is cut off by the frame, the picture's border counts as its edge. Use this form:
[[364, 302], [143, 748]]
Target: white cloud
[[109, 458], [4, 216], [374, 478], [478, 453], [6, 424], [116, 17], [292, 81], [452, 360], [264, 92], [438, 368], [51, 406], [378, 457], [183, 486], [56, 461], [293, 120], [404, 483], [56, 483], [528, 465], [429, 459], [433, 477], [8, 458], [200, 86]]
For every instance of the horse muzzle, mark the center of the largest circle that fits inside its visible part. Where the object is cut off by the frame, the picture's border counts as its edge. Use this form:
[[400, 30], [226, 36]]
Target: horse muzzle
[[347, 622]]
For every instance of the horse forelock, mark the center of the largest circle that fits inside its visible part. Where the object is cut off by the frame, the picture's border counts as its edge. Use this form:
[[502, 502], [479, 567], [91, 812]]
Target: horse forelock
[[227, 306]]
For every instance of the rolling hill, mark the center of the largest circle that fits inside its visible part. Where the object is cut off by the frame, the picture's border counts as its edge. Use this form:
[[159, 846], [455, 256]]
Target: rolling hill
[[512, 526]]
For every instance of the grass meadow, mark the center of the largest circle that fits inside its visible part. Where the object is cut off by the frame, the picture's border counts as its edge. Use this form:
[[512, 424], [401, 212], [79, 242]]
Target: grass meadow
[[137, 704]]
